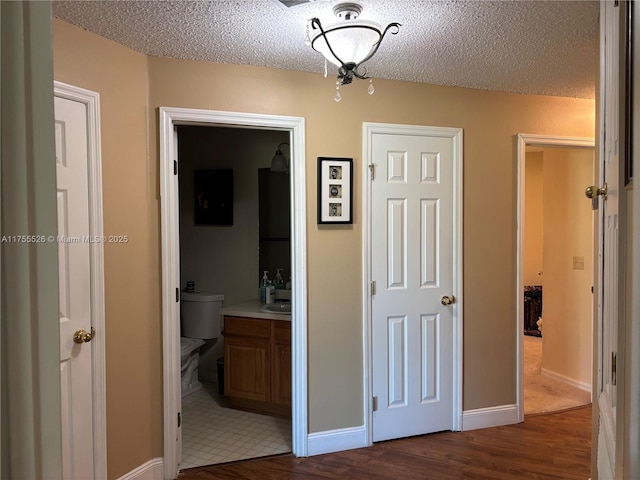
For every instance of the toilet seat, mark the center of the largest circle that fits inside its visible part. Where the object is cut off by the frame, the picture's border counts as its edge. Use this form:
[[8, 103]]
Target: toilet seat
[[188, 345]]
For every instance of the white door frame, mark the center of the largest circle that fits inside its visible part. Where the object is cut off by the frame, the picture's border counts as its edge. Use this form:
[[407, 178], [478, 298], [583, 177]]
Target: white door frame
[[96, 254], [169, 118], [368, 130], [525, 140]]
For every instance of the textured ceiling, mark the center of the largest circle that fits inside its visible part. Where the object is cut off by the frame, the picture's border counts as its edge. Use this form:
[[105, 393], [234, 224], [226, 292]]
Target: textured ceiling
[[525, 46]]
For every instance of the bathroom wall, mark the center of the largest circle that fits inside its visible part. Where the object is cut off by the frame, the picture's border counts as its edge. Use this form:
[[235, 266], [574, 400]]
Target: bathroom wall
[[223, 259], [568, 233]]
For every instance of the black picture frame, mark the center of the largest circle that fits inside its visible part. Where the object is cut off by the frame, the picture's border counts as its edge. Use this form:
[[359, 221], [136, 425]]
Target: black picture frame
[[213, 197], [335, 190]]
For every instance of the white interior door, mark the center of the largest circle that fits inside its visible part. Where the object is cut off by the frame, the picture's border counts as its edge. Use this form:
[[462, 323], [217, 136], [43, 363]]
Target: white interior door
[[609, 252], [75, 288], [412, 265]]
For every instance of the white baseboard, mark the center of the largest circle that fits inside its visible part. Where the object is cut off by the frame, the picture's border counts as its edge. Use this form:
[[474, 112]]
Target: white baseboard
[[489, 417], [336, 440], [581, 385], [151, 470]]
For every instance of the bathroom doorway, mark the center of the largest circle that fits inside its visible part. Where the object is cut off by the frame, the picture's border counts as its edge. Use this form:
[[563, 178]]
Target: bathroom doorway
[[555, 273], [234, 225], [232, 134]]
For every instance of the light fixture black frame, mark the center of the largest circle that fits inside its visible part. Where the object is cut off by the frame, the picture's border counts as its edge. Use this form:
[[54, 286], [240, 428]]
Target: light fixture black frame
[[348, 70]]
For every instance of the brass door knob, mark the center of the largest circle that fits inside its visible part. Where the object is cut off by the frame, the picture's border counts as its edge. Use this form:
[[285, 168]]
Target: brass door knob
[[82, 336], [447, 300], [592, 191]]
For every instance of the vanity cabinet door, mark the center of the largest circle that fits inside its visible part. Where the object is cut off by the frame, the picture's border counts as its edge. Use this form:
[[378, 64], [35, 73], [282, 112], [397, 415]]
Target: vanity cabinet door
[[282, 375], [281, 371], [247, 369]]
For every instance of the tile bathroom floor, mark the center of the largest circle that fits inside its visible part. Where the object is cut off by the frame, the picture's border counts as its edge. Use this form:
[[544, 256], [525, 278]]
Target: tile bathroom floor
[[213, 433]]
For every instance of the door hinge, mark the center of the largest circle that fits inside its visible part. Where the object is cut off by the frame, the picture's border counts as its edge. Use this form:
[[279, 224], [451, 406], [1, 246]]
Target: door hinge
[[175, 167], [373, 288], [179, 420], [374, 403], [177, 294], [613, 367], [372, 167]]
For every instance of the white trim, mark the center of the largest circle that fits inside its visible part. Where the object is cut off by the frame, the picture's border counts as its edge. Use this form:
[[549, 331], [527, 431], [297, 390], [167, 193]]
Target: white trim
[[489, 417], [523, 140], [151, 470], [92, 102], [169, 118], [604, 455], [368, 130], [337, 440], [570, 381]]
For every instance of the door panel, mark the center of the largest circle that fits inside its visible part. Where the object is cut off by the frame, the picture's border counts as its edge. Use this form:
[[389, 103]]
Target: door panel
[[412, 265], [247, 369], [609, 247], [74, 291]]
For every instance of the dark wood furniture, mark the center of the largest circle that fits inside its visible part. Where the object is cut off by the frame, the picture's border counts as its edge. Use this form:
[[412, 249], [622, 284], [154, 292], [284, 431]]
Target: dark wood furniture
[[257, 364]]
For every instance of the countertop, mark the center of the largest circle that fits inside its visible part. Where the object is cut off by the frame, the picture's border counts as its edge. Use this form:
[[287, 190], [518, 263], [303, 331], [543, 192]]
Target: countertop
[[252, 309]]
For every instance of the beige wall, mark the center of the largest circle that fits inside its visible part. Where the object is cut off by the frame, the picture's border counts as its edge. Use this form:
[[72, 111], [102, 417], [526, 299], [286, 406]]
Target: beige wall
[[568, 232], [490, 121], [132, 274], [533, 226]]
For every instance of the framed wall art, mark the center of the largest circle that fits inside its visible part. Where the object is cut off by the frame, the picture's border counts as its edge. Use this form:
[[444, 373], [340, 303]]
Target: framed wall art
[[335, 190], [213, 197]]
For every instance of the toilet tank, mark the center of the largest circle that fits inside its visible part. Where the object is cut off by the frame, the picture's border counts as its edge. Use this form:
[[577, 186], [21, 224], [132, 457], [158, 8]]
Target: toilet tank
[[200, 314]]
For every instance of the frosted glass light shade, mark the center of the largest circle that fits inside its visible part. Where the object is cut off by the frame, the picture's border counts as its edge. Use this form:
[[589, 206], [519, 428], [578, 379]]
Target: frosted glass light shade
[[351, 41], [279, 163]]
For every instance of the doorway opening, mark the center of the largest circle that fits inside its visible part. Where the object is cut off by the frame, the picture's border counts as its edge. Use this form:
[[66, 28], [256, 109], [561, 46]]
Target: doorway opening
[[555, 273], [276, 128], [234, 228]]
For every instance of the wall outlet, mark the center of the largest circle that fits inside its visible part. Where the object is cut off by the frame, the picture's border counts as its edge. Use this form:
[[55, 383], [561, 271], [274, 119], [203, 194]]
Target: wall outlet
[[578, 263]]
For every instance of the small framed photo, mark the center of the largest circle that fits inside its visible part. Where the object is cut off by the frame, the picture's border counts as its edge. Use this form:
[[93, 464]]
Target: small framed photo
[[335, 190], [213, 197]]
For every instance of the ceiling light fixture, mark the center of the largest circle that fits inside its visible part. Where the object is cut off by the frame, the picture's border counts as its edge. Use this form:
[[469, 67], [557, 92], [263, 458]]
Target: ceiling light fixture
[[348, 43]]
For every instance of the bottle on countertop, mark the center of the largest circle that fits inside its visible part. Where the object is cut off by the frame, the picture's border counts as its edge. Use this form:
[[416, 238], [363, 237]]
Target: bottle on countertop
[[263, 287], [288, 285], [270, 294], [278, 281]]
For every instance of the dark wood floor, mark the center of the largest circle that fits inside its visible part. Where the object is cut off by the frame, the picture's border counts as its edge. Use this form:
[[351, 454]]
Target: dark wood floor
[[551, 446]]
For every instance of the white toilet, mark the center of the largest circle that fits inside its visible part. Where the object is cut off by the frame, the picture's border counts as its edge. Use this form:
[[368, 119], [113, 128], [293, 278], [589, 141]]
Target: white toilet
[[199, 320]]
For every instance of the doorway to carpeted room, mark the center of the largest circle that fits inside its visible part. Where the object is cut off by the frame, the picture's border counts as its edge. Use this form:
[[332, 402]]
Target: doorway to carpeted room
[[543, 393]]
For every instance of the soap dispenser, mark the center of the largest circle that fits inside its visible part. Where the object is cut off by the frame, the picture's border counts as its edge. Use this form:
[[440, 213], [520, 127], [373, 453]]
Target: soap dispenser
[[263, 287], [271, 294], [278, 282]]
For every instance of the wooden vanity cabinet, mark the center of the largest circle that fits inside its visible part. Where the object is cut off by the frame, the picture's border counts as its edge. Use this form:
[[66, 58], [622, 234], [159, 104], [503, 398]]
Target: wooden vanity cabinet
[[257, 364]]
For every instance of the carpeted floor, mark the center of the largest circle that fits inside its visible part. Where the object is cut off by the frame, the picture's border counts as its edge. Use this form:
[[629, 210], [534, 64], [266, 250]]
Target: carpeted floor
[[542, 393]]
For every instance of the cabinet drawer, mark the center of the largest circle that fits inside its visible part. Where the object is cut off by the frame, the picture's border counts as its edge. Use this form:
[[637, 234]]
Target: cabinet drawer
[[247, 327]]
